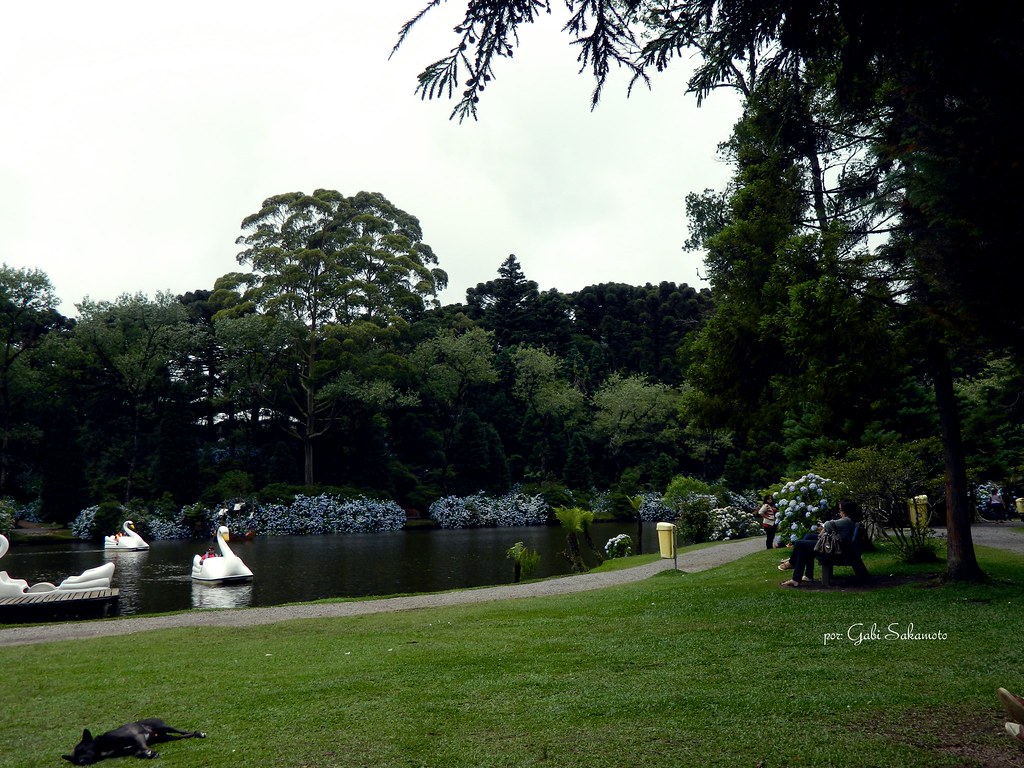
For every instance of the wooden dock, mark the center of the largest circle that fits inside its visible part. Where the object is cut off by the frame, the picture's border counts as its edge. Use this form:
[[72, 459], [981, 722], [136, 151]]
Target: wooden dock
[[59, 605]]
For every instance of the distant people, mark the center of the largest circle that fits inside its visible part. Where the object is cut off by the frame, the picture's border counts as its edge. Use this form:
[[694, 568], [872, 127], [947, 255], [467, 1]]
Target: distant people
[[209, 553], [769, 524]]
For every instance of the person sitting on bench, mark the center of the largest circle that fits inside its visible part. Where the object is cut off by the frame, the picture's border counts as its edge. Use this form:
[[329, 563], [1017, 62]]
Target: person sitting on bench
[[802, 558]]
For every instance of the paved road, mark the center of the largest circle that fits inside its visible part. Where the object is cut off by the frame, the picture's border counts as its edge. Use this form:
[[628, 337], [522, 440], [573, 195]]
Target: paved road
[[988, 534]]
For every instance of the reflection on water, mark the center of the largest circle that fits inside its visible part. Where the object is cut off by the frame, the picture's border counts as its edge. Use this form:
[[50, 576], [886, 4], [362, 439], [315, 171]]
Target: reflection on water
[[222, 596], [302, 568]]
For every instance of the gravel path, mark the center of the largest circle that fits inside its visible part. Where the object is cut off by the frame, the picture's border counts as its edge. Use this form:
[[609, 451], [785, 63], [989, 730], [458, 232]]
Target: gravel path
[[987, 534]]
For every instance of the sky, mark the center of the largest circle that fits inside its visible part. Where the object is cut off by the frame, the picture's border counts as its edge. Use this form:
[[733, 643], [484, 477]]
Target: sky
[[136, 136]]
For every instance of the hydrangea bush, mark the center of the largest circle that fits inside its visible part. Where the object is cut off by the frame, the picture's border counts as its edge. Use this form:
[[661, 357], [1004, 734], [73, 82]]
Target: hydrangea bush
[[732, 522], [167, 528], [802, 505], [512, 509], [315, 515], [654, 509], [305, 515], [619, 546], [712, 516], [82, 525]]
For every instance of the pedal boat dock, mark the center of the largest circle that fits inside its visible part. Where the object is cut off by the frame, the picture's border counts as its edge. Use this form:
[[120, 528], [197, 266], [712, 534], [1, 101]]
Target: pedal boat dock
[[59, 605]]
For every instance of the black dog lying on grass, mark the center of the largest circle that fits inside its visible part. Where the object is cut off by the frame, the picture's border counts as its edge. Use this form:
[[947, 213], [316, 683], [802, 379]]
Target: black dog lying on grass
[[130, 739]]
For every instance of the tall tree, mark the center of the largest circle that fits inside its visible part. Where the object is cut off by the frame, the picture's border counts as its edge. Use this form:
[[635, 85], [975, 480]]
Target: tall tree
[[453, 366], [325, 262], [507, 305], [28, 310], [131, 346], [554, 407], [635, 419]]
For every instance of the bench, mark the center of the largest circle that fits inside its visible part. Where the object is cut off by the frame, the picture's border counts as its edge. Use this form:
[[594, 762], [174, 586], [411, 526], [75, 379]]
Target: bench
[[849, 557]]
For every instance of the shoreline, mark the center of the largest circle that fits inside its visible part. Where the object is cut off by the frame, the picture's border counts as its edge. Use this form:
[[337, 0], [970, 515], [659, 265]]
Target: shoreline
[[1003, 536]]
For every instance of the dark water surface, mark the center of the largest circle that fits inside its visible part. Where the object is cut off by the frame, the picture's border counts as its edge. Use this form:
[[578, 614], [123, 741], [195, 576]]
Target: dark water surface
[[300, 568]]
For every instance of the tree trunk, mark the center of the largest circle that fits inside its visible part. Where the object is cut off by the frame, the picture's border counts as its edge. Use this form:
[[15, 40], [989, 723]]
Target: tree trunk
[[311, 426], [133, 459], [961, 562], [307, 450]]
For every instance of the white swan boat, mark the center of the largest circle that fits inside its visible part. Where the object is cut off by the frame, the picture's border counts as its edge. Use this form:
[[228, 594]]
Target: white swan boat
[[93, 578], [129, 541], [9, 587], [223, 568]]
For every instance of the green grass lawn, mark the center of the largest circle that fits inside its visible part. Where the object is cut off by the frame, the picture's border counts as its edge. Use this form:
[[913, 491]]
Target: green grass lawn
[[720, 668]]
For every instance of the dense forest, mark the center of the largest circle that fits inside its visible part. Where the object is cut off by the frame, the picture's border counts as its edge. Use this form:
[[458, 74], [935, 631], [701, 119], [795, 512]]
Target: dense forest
[[212, 395], [215, 393]]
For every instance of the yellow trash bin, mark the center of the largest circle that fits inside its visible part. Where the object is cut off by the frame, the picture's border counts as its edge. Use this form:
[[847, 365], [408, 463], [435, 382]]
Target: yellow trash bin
[[667, 539], [918, 507], [1020, 506]]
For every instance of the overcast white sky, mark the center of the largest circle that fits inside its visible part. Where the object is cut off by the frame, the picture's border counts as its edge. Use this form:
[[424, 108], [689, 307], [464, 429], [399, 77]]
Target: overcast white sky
[[136, 136]]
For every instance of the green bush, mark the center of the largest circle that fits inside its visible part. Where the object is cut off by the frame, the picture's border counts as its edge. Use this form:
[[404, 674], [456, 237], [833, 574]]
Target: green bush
[[285, 493], [696, 521], [692, 500], [619, 546], [683, 486], [6, 516], [233, 484], [110, 516], [883, 480]]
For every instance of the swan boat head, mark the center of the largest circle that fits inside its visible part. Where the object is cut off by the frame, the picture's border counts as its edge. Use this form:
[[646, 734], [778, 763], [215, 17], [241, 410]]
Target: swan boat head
[[224, 568]]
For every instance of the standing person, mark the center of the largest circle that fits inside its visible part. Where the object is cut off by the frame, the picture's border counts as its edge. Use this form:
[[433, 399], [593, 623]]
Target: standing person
[[996, 507], [767, 513]]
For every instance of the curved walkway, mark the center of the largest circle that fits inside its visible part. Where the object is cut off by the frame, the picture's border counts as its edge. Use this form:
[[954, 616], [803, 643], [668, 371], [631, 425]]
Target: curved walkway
[[987, 534]]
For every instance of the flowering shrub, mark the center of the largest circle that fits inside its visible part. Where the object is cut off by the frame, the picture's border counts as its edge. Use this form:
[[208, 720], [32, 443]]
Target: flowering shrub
[[305, 515], [478, 510], [653, 508], [325, 514], [619, 546], [82, 525], [31, 511], [802, 504], [732, 522], [703, 517], [166, 528]]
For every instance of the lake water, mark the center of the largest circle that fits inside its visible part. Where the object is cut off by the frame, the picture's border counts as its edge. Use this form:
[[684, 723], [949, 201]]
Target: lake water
[[301, 568]]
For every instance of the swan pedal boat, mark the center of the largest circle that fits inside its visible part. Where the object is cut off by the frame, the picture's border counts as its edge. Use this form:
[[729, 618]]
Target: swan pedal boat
[[129, 541], [93, 578], [223, 569]]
